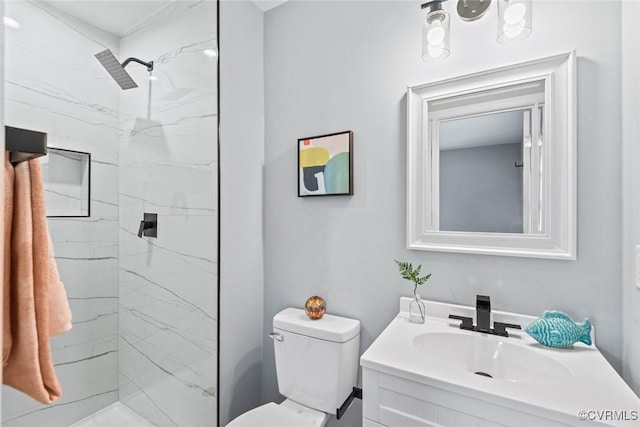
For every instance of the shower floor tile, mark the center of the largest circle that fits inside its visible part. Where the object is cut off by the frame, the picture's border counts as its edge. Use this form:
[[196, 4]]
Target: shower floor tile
[[114, 415]]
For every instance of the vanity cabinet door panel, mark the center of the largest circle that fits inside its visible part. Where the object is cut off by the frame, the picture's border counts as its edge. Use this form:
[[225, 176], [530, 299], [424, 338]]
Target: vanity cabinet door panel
[[426, 414], [397, 402], [370, 398], [369, 423]]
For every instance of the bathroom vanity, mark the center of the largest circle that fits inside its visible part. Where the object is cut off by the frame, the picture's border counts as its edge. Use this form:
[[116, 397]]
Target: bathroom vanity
[[435, 374]]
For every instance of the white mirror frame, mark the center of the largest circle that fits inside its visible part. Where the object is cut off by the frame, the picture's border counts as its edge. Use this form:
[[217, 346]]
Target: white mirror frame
[[560, 186]]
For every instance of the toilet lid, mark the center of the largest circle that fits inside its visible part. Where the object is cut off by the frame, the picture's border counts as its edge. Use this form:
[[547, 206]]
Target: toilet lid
[[271, 415]]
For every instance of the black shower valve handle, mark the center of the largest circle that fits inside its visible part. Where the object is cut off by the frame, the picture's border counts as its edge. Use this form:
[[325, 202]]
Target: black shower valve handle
[[148, 225], [143, 226]]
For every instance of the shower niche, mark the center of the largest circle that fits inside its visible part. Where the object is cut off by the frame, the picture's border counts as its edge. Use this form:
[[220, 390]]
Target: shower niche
[[67, 182]]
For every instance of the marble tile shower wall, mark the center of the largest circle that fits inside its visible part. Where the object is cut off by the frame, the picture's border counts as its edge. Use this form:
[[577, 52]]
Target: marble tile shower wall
[[159, 143], [168, 164], [53, 84]]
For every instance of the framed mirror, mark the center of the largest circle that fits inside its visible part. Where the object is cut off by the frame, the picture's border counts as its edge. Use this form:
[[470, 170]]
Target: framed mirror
[[491, 162], [67, 182]]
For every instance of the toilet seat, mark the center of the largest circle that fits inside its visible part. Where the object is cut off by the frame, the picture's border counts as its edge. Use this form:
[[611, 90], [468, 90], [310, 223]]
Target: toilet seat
[[273, 415]]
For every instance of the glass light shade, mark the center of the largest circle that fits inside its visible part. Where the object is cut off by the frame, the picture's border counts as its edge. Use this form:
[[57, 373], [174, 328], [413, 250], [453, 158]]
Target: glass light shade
[[514, 20], [435, 36]]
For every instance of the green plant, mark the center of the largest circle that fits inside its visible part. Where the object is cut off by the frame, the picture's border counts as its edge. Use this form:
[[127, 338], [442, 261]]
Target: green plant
[[413, 275]]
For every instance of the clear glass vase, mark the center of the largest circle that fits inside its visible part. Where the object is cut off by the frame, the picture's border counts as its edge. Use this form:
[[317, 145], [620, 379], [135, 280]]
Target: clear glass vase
[[416, 310]]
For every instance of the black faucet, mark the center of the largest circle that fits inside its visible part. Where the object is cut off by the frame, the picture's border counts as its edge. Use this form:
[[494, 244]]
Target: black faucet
[[483, 313], [483, 319]]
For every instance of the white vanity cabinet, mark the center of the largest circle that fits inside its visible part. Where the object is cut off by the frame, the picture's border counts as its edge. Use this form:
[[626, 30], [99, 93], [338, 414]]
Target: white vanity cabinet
[[392, 401]]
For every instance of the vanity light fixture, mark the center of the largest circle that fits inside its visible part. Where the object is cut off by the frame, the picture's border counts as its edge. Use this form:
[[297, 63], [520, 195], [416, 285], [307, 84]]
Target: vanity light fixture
[[514, 20], [472, 10], [514, 23], [435, 32]]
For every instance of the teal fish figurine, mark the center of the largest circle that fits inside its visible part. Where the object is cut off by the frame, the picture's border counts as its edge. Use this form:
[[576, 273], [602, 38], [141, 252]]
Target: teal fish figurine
[[556, 329]]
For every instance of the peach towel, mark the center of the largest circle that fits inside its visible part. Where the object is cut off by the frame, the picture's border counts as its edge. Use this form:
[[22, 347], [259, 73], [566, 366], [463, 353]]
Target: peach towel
[[38, 304]]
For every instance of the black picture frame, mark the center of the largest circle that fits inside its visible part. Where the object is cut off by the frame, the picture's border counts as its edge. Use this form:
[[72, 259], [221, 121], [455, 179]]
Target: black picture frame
[[331, 157]]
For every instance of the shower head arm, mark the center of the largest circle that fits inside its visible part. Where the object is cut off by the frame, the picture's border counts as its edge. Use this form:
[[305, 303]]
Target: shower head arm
[[149, 65]]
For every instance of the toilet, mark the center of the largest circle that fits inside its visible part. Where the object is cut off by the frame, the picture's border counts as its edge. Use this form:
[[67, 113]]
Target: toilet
[[316, 368]]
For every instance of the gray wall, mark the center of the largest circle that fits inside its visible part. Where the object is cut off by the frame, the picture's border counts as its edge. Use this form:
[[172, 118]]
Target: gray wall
[[332, 66], [241, 163], [631, 190], [481, 189]]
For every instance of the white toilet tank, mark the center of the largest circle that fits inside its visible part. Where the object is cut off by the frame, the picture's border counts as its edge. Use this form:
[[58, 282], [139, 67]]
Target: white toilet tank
[[316, 360]]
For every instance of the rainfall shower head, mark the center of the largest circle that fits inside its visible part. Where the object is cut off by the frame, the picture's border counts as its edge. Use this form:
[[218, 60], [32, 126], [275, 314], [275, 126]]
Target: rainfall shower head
[[117, 71]]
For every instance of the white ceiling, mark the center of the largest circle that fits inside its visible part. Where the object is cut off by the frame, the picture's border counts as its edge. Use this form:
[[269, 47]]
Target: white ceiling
[[122, 18], [119, 17], [115, 17]]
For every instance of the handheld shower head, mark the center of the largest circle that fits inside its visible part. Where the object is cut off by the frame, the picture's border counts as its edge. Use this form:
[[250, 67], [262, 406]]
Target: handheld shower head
[[117, 71]]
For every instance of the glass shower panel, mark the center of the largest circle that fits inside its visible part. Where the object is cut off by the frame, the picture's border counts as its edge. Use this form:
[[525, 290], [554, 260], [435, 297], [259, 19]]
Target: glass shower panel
[[168, 166], [144, 308]]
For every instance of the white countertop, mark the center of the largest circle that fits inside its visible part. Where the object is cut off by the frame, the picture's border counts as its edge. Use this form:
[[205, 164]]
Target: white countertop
[[592, 384]]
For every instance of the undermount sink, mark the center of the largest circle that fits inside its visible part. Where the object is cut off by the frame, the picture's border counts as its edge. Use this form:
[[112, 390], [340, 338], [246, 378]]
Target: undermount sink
[[491, 357]]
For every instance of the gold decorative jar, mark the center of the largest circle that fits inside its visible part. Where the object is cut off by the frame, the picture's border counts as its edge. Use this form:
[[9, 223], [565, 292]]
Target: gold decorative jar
[[315, 307]]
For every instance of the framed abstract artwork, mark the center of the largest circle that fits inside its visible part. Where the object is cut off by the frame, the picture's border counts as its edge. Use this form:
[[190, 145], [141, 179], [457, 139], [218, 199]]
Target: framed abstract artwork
[[325, 165]]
